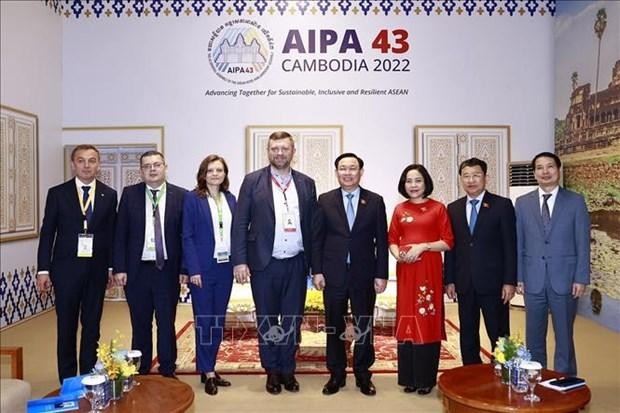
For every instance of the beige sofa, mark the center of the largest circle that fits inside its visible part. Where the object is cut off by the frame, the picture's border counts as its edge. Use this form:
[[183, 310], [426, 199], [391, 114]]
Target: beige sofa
[[14, 391]]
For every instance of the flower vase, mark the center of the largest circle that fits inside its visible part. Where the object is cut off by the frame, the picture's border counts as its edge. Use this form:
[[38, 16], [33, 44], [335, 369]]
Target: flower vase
[[518, 382], [505, 377], [117, 389]]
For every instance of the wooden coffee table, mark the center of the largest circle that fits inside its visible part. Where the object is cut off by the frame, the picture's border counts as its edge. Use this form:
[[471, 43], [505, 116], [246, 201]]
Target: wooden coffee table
[[475, 388], [154, 394]]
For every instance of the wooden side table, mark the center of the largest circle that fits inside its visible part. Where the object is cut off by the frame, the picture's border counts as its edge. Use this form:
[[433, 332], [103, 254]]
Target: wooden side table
[[475, 388], [154, 394]]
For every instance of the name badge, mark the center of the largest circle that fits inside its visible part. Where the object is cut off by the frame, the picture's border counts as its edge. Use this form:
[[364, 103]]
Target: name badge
[[288, 222], [85, 245], [222, 257]]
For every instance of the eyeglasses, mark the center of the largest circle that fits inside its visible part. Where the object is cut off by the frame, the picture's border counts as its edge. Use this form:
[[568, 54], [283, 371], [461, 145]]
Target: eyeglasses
[[149, 166]]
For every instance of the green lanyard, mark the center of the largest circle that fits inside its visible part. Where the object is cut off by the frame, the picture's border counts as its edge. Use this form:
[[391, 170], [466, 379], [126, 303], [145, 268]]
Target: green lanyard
[[220, 215], [155, 201]]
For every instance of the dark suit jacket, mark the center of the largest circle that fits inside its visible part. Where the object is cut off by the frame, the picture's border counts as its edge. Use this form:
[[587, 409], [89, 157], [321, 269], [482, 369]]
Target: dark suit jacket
[[62, 223], [254, 219], [486, 260], [198, 234], [366, 241], [129, 239]]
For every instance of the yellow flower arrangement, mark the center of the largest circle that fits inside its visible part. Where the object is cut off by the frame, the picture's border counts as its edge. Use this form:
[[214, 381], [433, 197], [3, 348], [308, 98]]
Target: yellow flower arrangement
[[314, 301], [510, 348], [114, 363]]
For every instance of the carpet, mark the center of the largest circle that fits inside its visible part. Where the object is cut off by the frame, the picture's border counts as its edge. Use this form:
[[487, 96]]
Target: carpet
[[239, 351]]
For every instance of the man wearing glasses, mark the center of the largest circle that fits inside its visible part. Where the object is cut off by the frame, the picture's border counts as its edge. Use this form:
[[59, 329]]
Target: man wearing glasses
[[147, 259]]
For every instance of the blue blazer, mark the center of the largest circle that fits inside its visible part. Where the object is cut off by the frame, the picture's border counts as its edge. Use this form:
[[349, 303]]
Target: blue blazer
[[130, 223], [253, 228], [198, 233], [565, 254]]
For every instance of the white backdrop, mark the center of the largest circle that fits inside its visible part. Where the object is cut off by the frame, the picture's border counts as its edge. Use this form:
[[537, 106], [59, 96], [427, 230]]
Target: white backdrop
[[465, 70]]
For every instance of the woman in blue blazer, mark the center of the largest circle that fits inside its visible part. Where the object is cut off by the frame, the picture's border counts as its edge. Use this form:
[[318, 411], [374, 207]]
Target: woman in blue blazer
[[207, 217]]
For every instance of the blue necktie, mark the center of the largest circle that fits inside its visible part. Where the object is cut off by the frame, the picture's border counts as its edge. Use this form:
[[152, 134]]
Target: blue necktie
[[546, 215], [350, 219], [159, 239], [473, 216], [89, 210], [350, 211]]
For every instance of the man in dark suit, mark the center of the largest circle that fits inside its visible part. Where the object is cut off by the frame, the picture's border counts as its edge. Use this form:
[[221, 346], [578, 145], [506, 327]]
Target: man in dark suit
[[553, 247], [75, 256], [350, 264], [481, 268], [147, 259], [271, 243]]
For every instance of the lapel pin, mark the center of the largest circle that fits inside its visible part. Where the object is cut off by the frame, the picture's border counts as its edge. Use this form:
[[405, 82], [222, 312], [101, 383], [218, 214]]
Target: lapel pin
[[363, 201], [486, 205]]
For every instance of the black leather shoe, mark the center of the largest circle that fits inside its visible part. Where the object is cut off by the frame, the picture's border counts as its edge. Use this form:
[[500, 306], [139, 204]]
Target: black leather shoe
[[273, 384], [290, 382], [210, 386], [170, 375], [410, 389], [220, 381], [424, 390], [367, 388], [333, 385]]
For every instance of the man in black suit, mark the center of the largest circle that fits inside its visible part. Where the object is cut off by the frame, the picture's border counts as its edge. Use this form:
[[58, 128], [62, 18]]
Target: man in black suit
[[481, 268], [271, 243], [350, 264], [147, 259], [75, 256]]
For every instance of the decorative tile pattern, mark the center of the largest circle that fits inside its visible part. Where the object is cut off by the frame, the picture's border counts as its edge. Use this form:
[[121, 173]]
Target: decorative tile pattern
[[20, 299], [103, 9]]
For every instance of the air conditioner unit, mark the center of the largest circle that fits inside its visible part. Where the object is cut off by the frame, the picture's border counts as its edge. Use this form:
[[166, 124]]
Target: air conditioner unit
[[521, 181]]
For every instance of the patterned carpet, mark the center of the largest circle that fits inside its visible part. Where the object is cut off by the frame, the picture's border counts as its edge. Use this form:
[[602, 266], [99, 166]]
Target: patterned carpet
[[239, 351]]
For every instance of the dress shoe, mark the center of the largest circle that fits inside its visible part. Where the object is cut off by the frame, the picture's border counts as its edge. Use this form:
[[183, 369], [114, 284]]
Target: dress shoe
[[333, 385], [410, 389], [273, 384], [220, 381], [290, 382], [170, 375], [366, 387], [210, 386], [424, 390]]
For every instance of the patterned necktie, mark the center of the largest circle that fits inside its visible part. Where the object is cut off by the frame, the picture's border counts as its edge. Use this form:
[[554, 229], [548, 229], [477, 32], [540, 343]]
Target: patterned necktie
[[546, 215], [89, 210], [473, 216], [350, 211], [159, 240]]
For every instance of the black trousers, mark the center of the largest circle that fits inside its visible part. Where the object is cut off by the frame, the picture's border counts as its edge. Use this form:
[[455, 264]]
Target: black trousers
[[336, 300], [79, 297], [151, 291], [496, 320], [418, 364]]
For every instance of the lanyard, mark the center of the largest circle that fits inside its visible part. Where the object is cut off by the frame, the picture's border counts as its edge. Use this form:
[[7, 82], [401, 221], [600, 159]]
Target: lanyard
[[85, 204], [155, 201], [220, 215], [283, 188]]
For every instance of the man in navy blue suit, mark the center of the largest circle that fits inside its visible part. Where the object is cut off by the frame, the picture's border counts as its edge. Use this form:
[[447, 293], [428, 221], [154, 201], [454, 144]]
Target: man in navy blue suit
[[271, 243], [350, 264], [75, 256], [147, 259], [553, 250], [482, 266]]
